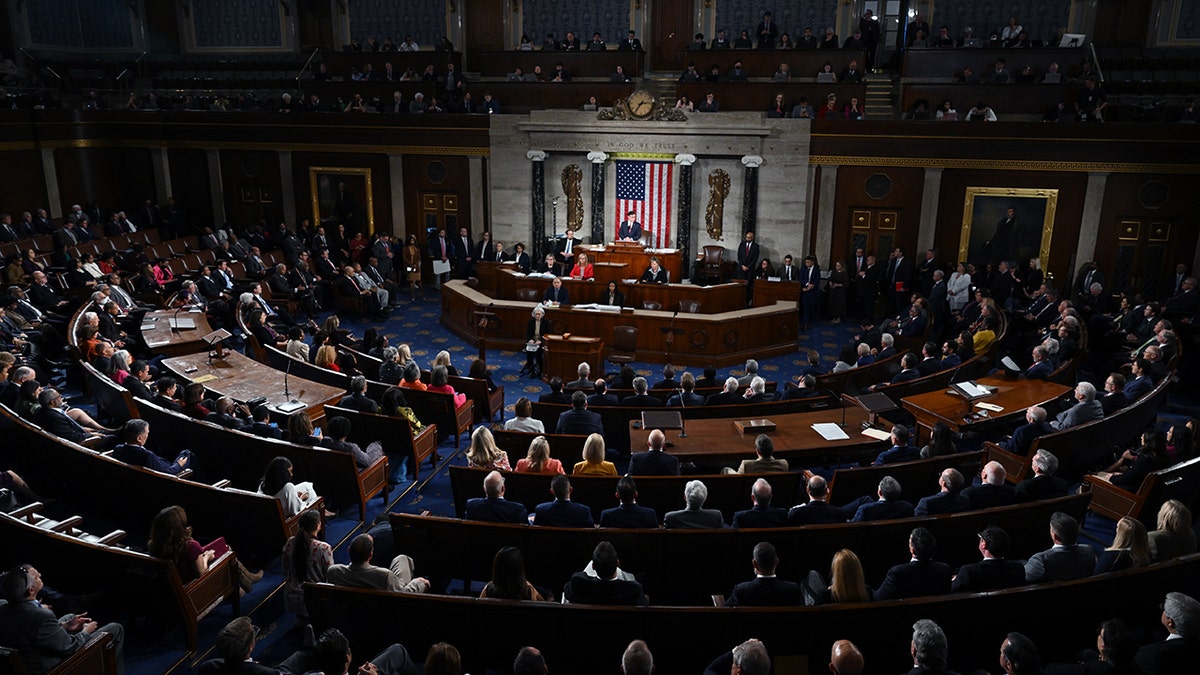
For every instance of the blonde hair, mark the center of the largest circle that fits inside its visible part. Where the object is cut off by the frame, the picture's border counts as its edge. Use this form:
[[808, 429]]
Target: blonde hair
[[326, 355], [404, 352], [539, 453], [483, 451], [442, 358], [1174, 517], [1131, 534], [593, 449], [846, 582], [331, 324]]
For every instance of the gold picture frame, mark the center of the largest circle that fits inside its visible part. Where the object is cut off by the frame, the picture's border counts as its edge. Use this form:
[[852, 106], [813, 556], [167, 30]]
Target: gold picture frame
[[326, 204], [985, 216]]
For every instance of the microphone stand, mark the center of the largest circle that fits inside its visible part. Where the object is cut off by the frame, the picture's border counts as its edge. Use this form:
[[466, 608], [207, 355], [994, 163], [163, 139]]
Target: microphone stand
[[175, 319], [683, 404], [287, 371]]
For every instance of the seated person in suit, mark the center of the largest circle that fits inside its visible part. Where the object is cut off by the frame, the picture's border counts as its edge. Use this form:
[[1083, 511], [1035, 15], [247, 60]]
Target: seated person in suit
[[613, 296], [1086, 408], [688, 396], [889, 505], [994, 571], [1067, 559], [556, 394], [579, 420], [628, 514], [583, 269], [921, 575], [1035, 427], [668, 381], [1113, 398], [565, 249], [655, 461], [549, 265], [357, 398], [806, 386], [654, 274], [261, 425], [728, 396], [756, 392], [900, 451], [1044, 484], [1041, 368], [695, 516], [584, 371], [640, 399], [601, 396], [948, 500], [604, 585], [562, 512], [817, 509], [630, 229], [993, 489], [556, 295], [165, 389], [493, 507], [908, 372], [762, 514], [929, 648], [360, 573], [765, 590], [764, 461], [132, 449], [1180, 615]]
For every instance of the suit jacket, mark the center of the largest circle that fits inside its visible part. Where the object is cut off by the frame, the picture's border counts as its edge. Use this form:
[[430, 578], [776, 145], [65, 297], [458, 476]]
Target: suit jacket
[[581, 383], [760, 516], [899, 272], [586, 589], [629, 515], [138, 388], [928, 367], [44, 297], [1078, 414], [986, 496], [1169, 656], [628, 231], [652, 277], [581, 422], [1061, 563], [914, 579], [905, 376], [748, 258], [765, 592], [882, 510], [699, 519], [562, 513], [1024, 436], [1110, 403], [989, 574], [1039, 371], [554, 397], [724, 398], [35, 632], [359, 402], [56, 422], [140, 456], [653, 463], [559, 295], [1138, 387], [763, 466], [942, 502], [602, 400], [497, 510], [1040, 487], [642, 401], [898, 454], [815, 512]]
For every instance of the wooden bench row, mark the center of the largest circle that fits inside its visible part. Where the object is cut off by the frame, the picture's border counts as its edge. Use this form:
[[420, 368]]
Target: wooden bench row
[[1174, 482], [688, 566], [394, 433], [98, 656], [1060, 618]]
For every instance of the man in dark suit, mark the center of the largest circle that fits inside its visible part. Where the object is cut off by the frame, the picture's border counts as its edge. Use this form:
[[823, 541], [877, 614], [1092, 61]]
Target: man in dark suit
[[939, 302], [555, 395], [787, 271], [357, 398], [695, 516], [132, 450], [630, 44], [601, 396], [493, 507], [1067, 559], [44, 297], [260, 423], [564, 250], [948, 500], [562, 512], [686, 395], [730, 395], [908, 371], [762, 514], [640, 399], [1140, 384], [628, 514], [810, 291], [747, 260], [866, 289], [655, 462], [993, 489], [767, 32], [1041, 368], [765, 590], [53, 419], [887, 506], [236, 642], [1044, 484], [441, 249], [898, 280], [921, 575], [817, 509], [1113, 398], [579, 420], [604, 586], [630, 229], [806, 387], [994, 571], [930, 362], [1035, 427], [135, 382], [42, 639], [584, 382], [1179, 652], [900, 451], [556, 294], [464, 250]]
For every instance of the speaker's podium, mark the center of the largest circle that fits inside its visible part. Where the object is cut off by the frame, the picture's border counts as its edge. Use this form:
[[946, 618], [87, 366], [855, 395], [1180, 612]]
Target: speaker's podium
[[564, 353]]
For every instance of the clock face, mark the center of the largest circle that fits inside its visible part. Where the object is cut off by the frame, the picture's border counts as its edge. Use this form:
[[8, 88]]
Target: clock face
[[641, 103]]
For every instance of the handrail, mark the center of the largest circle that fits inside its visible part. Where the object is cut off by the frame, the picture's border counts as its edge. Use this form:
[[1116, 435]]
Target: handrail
[[1091, 47], [299, 91]]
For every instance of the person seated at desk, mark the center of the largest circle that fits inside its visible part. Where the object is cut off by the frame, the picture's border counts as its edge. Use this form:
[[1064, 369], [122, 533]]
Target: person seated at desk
[[630, 229], [612, 296], [556, 294], [640, 399], [654, 274], [764, 270], [549, 265], [583, 269], [520, 257]]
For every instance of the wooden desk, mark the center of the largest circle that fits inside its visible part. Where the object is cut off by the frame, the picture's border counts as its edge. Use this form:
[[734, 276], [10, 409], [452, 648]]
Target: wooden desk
[[716, 440], [499, 63], [715, 299], [768, 293], [162, 340], [241, 378], [1012, 395], [563, 355], [638, 259]]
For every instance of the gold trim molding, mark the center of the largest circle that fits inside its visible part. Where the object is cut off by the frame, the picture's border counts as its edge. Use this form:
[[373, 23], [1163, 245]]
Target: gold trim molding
[[1006, 165], [1048, 195], [241, 145]]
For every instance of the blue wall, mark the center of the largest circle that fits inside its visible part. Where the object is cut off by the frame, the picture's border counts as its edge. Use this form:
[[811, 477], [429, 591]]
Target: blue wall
[[236, 24], [792, 16], [94, 24], [1037, 18], [425, 20], [609, 17]]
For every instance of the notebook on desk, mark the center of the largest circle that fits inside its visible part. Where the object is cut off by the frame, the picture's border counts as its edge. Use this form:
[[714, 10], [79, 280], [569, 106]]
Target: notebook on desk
[[662, 419]]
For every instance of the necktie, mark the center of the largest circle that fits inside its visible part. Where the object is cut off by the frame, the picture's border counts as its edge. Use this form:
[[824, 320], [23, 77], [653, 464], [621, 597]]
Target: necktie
[[443, 244], [266, 307], [568, 251]]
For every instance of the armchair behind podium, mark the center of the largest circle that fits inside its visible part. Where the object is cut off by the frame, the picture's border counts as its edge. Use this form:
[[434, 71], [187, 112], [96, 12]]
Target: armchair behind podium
[[711, 260], [624, 345]]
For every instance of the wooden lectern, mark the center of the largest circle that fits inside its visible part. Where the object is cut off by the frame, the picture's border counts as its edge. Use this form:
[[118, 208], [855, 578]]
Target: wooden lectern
[[564, 354], [485, 322]]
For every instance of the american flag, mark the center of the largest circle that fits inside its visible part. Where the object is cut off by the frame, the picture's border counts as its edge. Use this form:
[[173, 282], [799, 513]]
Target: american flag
[[645, 188]]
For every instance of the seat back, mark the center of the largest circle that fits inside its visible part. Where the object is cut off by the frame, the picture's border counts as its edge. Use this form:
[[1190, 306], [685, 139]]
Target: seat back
[[689, 306], [528, 294], [714, 256], [625, 338], [651, 305]]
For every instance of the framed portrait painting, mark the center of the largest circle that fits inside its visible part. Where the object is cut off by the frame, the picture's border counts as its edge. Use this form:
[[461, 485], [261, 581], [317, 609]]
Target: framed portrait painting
[[1013, 224], [342, 195]]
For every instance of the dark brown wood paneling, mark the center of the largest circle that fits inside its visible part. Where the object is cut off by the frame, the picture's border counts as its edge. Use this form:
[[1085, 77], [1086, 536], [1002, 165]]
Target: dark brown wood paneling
[[483, 26], [1122, 22], [761, 95], [672, 24], [190, 184], [118, 178], [24, 184], [251, 185], [442, 177], [944, 63], [162, 27], [903, 199], [381, 192], [1004, 99], [1151, 200], [315, 23], [1065, 237]]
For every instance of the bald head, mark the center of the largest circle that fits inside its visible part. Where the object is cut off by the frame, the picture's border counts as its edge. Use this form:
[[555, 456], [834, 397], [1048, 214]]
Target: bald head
[[657, 439], [994, 473], [493, 485], [845, 658]]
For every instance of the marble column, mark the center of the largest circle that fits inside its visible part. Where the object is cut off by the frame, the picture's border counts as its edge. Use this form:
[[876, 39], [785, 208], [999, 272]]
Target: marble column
[[537, 199], [750, 193], [684, 239], [399, 226], [161, 164], [218, 187], [287, 192], [478, 213], [826, 195], [1093, 201], [50, 172], [597, 159], [927, 229]]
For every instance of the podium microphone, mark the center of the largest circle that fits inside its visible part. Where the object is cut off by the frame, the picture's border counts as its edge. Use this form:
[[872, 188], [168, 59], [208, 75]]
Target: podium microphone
[[287, 371], [683, 404], [843, 423], [175, 319]]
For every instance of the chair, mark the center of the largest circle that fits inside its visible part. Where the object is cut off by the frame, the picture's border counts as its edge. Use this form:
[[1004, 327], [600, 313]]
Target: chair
[[710, 263], [650, 304], [689, 306], [624, 345], [528, 294]]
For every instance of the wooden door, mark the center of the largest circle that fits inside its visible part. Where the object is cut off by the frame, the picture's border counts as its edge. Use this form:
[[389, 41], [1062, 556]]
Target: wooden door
[[439, 211], [671, 28], [1144, 258], [255, 203], [483, 28], [875, 231]]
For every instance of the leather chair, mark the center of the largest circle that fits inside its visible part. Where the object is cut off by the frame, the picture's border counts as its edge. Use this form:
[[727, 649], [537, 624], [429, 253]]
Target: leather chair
[[528, 294], [624, 345], [710, 262], [689, 306], [650, 304]]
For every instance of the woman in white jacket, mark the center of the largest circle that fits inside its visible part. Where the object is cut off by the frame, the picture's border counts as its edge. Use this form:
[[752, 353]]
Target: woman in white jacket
[[959, 288]]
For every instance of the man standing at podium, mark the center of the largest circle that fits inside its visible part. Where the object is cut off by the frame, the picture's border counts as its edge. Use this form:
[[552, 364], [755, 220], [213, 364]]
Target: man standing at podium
[[630, 230]]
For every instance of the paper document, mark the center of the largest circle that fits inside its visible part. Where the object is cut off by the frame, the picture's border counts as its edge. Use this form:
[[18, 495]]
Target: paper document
[[972, 389], [989, 406], [205, 378], [830, 431], [877, 434], [441, 266]]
